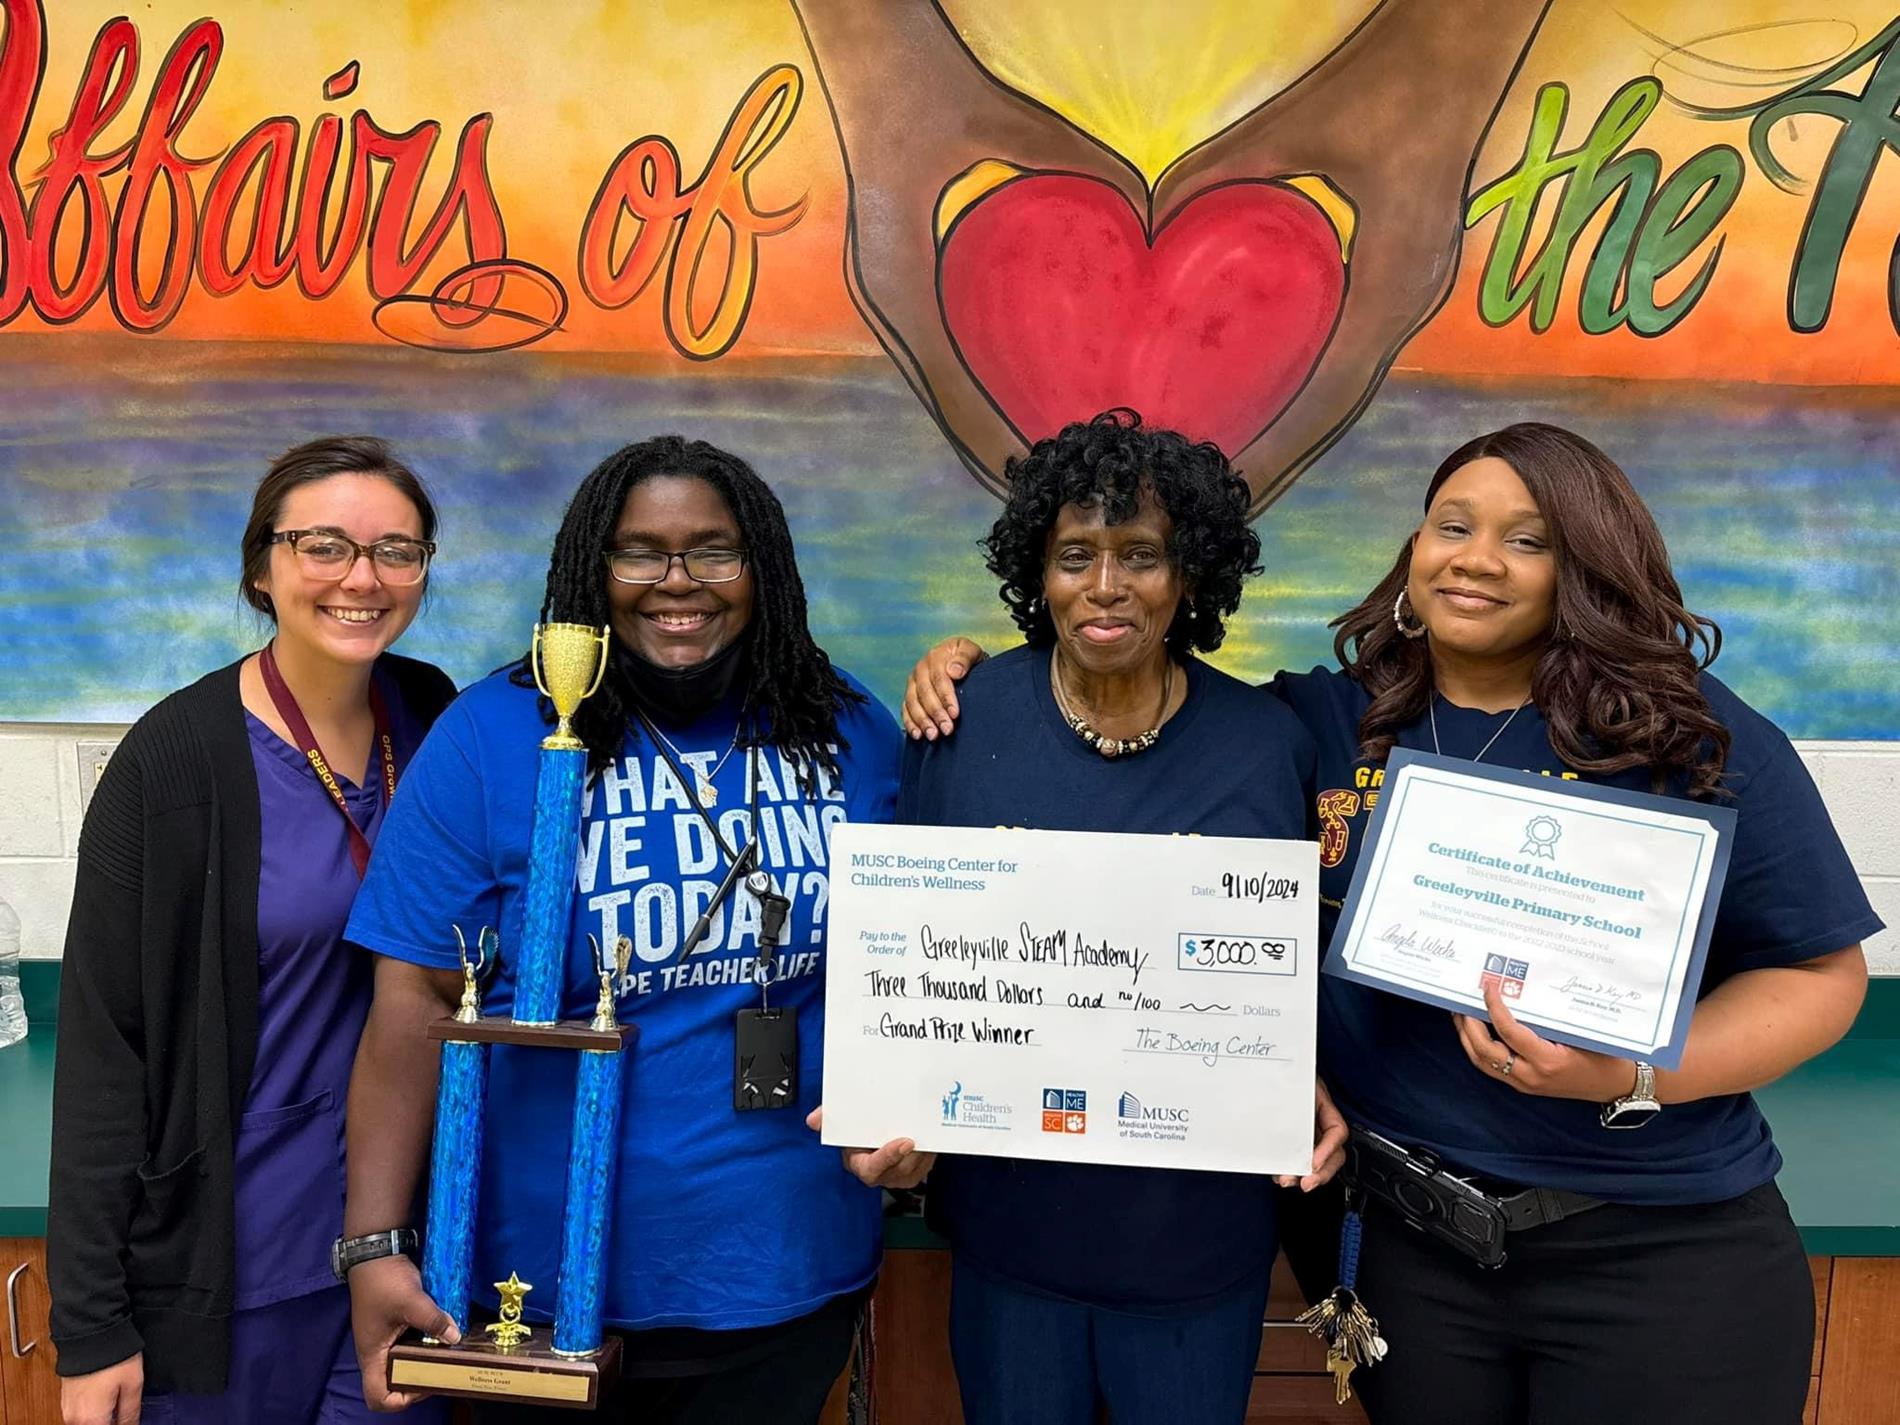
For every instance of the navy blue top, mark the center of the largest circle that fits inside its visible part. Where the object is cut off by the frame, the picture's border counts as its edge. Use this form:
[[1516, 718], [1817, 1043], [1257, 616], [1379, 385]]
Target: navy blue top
[[1397, 1067], [1231, 762]]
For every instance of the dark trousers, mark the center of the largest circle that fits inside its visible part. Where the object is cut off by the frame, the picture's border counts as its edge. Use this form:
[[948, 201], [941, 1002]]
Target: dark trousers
[[1697, 1315], [292, 1363], [786, 1386], [1026, 1358]]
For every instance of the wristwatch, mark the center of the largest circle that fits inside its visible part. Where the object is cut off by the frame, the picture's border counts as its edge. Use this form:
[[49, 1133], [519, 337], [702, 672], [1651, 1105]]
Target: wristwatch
[[1636, 1107], [348, 1252]]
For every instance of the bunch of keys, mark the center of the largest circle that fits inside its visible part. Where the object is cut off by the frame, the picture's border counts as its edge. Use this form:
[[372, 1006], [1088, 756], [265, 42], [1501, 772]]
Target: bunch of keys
[[1351, 1334]]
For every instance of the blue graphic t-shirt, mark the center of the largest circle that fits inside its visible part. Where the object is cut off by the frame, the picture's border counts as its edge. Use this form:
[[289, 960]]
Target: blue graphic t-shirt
[[1397, 1067], [721, 1219], [1231, 762]]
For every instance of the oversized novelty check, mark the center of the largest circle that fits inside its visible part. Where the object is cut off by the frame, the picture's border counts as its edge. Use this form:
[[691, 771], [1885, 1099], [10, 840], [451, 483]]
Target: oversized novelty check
[[1074, 996], [1588, 908]]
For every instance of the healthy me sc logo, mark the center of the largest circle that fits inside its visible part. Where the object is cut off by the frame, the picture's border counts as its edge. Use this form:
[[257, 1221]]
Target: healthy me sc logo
[[1237, 954]]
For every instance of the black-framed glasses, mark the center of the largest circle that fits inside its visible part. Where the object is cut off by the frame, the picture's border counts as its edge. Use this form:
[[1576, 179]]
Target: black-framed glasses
[[651, 566], [325, 554]]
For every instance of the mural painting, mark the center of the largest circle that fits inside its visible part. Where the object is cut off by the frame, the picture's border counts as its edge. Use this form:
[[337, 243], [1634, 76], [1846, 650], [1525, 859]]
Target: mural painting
[[877, 248]]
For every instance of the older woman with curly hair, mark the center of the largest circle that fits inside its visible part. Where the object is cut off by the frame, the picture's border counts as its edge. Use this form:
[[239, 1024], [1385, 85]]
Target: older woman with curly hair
[[1121, 551], [1532, 620]]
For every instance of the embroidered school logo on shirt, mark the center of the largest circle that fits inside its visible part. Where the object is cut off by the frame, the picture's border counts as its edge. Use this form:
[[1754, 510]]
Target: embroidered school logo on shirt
[[1065, 1111], [1335, 831]]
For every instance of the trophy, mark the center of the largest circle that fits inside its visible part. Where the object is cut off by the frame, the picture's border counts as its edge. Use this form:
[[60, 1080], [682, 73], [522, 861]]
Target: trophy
[[572, 1364]]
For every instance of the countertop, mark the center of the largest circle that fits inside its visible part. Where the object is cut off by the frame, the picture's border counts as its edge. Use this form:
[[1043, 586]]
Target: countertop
[[1837, 1120]]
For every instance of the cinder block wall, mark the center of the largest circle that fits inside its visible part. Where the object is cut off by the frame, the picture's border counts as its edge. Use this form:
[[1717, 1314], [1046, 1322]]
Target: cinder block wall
[[44, 769]]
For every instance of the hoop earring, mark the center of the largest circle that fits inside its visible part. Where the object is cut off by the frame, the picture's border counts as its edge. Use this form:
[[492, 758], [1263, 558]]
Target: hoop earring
[[1417, 630]]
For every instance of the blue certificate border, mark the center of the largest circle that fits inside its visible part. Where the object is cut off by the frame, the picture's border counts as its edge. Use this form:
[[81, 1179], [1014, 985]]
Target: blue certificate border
[[1720, 818]]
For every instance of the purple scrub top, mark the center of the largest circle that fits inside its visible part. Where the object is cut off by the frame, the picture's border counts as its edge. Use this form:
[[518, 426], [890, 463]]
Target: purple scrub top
[[313, 996]]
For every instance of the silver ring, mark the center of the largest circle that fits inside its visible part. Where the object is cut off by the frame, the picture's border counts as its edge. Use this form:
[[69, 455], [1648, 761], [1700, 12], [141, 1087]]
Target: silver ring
[[1509, 1064]]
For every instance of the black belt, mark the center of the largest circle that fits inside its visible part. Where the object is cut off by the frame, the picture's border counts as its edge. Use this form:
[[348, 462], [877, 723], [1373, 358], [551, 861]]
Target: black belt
[[1539, 1207]]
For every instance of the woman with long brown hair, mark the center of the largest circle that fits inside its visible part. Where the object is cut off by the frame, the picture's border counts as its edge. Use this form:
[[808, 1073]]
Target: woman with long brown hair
[[1532, 621], [209, 1007]]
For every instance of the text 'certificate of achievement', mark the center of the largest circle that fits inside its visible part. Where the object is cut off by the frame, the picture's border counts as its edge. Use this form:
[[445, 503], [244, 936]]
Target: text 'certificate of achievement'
[[1588, 907], [1070, 995]]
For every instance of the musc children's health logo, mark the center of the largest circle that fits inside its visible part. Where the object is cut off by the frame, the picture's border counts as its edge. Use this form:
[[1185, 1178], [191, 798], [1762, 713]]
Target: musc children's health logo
[[1065, 1111], [1508, 975], [963, 1109], [1237, 954], [1137, 1120]]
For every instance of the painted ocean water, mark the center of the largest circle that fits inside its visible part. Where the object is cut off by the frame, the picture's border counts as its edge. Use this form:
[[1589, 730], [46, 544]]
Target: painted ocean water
[[126, 469]]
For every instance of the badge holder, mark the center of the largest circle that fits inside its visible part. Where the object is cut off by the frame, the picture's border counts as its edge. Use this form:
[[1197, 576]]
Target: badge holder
[[765, 1040]]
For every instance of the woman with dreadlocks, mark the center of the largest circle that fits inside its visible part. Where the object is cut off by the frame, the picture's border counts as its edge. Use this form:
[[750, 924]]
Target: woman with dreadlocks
[[740, 1253]]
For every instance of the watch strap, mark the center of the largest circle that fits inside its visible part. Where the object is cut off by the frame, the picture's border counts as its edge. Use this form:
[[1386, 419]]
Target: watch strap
[[349, 1252]]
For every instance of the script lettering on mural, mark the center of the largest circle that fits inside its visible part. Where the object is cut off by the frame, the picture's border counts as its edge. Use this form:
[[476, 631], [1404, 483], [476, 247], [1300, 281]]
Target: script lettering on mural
[[138, 224], [1656, 225]]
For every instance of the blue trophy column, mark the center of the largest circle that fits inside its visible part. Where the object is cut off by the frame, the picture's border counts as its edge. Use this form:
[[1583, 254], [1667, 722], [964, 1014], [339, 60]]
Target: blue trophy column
[[454, 1168], [580, 1299], [550, 897]]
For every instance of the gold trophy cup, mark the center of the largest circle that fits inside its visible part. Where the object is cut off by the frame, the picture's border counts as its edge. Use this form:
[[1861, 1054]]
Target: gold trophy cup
[[569, 661]]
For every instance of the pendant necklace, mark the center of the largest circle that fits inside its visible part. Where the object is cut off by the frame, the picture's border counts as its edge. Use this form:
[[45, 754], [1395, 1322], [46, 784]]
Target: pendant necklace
[[1432, 709], [703, 787], [1112, 746]]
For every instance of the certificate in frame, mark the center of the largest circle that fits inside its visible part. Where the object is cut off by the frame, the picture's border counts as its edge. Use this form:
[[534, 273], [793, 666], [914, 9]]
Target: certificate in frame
[[1472, 874]]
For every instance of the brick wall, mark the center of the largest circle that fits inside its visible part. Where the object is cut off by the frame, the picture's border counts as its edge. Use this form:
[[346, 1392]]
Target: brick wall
[[46, 768]]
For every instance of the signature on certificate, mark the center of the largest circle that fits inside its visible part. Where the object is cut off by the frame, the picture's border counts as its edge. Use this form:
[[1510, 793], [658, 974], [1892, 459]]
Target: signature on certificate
[[1430, 947], [1596, 989]]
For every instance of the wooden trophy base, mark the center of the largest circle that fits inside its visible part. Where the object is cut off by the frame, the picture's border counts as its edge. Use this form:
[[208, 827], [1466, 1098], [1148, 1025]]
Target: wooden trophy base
[[528, 1374]]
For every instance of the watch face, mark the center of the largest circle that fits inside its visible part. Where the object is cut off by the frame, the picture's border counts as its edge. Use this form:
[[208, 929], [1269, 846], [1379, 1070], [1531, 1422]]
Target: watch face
[[1630, 1113]]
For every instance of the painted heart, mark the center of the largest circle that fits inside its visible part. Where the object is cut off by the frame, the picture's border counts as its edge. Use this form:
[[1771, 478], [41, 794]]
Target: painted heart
[[1061, 306]]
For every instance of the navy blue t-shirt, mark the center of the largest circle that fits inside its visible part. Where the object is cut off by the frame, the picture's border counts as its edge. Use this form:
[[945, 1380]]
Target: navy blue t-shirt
[[1397, 1066], [1231, 762]]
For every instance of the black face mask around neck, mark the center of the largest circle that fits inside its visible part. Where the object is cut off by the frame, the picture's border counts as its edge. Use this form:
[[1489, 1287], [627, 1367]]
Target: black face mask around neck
[[678, 696]]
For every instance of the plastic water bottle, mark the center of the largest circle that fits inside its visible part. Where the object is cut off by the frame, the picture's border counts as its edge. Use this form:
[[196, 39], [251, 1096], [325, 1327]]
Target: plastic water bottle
[[12, 1006]]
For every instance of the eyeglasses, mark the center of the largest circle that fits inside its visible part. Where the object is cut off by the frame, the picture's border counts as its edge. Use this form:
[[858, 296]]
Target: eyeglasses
[[325, 554], [651, 566]]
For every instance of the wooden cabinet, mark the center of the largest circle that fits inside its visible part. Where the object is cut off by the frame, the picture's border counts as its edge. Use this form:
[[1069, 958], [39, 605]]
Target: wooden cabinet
[[29, 1391], [1859, 1378], [1855, 1380]]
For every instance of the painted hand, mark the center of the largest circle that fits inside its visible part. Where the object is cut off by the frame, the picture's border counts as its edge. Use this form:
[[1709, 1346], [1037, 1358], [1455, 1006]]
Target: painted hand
[[1021, 274]]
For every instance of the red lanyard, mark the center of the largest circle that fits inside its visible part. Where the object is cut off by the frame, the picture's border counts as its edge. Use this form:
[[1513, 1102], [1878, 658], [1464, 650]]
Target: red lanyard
[[288, 710]]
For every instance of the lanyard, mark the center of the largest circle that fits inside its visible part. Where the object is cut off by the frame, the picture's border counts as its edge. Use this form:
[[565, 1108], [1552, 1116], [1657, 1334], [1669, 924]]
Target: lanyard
[[773, 907], [287, 709]]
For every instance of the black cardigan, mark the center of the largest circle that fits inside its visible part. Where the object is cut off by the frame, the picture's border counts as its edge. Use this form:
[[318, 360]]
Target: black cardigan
[[158, 1037]]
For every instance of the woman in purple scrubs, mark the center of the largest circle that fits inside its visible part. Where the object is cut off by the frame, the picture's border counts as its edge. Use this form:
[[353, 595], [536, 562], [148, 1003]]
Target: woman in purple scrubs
[[209, 1010]]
